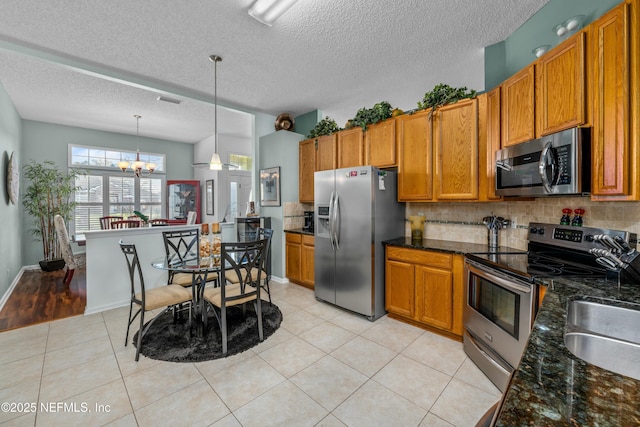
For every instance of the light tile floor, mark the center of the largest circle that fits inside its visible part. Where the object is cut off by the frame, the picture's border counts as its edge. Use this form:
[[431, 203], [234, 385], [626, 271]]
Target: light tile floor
[[323, 367]]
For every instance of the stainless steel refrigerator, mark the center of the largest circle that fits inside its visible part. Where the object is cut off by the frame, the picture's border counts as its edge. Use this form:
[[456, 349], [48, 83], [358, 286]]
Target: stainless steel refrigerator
[[355, 210]]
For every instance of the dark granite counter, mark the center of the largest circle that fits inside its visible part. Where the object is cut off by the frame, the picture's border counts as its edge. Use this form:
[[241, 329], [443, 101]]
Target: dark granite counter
[[551, 386], [460, 248], [299, 231]]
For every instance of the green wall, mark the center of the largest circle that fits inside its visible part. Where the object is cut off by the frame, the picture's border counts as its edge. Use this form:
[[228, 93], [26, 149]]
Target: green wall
[[504, 59], [306, 122], [10, 214], [46, 141]]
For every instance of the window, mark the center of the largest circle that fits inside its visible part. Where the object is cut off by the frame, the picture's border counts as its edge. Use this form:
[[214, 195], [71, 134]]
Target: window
[[105, 190], [240, 162]]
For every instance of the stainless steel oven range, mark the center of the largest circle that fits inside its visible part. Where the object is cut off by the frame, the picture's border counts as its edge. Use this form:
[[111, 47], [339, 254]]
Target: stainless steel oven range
[[502, 290]]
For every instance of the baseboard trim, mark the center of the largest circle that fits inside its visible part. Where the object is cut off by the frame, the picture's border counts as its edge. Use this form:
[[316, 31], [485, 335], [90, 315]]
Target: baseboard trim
[[13, 285]]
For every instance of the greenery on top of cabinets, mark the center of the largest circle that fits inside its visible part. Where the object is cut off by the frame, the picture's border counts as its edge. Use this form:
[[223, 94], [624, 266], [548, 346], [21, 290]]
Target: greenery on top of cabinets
[[326, 126], [369, 116], [443, 94]]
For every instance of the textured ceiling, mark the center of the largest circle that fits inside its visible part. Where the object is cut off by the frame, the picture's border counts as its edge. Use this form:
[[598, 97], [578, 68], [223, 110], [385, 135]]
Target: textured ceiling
[[95, 63]]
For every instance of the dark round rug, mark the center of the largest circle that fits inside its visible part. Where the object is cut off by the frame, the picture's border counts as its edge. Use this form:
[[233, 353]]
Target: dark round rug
[[172, 342]]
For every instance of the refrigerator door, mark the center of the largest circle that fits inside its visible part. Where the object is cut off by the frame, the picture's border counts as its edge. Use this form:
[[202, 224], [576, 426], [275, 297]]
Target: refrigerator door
[[324, 258], [354, 235]]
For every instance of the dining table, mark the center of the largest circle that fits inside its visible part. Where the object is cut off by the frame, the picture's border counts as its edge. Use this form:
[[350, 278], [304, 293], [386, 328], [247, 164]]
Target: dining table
[[201, 270]]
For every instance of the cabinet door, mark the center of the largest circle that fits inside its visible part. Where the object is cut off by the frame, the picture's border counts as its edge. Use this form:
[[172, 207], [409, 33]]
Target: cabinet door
[[610, 139], [380, 144], [306, 168], [307, 262], [434, 297], [350, 148], [560, 101], [456, 151], [518, 101], [399, 288], [294, 261], [488, 143], [415, 173], [326, 154]]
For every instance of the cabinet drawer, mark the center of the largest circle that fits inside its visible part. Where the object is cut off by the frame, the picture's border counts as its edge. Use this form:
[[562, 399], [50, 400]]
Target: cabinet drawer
[[434, 259], [294, 238], [308, 240]]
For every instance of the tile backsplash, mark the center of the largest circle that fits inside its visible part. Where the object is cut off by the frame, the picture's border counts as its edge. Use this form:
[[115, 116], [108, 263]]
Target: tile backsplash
[[294, 215], [463, 221]]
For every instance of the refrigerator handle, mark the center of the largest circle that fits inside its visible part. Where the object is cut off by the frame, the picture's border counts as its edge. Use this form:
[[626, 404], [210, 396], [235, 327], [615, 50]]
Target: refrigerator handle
[[331, 209], [336, 222]]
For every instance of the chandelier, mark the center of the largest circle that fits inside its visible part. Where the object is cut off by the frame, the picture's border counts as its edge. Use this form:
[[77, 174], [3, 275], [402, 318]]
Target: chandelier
[[138, 165]]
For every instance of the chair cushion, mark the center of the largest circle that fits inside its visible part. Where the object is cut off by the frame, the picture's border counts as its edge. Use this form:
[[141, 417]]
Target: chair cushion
[[231, 275], [213, 295], [164, 296], [182, 279]]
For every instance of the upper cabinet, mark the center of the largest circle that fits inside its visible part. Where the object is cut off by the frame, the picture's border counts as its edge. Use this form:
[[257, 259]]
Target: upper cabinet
[[560, 87], [350, 148], [488, 143], [415, 166], [306, 169], [518, 107], [380, 144], [455, 136], [326, 153], [615, 74]]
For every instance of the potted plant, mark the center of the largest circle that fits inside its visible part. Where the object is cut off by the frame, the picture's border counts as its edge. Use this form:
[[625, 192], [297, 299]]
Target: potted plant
[[48, 194]]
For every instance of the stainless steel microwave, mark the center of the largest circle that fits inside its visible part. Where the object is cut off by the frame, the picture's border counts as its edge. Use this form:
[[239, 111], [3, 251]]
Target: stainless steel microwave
[[552, 165]]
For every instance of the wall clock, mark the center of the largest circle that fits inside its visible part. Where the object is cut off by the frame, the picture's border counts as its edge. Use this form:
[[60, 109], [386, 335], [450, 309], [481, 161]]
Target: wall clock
[[13, 178]]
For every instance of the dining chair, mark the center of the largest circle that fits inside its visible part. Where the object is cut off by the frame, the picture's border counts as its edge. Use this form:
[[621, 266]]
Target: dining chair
[[180, 246], [65, 248], [240, 257], [158, 221], [144, 299], [126, 223], [266, 234], [105, 221], [191, 217]]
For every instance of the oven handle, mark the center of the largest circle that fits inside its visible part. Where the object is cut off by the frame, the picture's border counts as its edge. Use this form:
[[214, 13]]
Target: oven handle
[[508, 283]]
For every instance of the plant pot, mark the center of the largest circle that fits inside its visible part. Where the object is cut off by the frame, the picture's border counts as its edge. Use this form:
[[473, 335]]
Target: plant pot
[[51, 265]]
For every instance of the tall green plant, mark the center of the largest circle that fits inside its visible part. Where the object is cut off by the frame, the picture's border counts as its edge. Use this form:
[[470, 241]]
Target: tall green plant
[[48, 194]]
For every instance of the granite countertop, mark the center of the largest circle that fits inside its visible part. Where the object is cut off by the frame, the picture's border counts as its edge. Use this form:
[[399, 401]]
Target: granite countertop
[[459, 248], [551, 386], [299, 231]]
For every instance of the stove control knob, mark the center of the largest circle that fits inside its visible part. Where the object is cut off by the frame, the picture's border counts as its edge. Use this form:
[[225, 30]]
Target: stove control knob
[[533, 230], [588, 238], [541, 231]]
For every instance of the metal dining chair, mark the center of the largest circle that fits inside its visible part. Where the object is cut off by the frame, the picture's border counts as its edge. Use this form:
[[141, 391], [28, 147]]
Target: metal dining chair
[[144, 299], [239, 257], [180, 246]]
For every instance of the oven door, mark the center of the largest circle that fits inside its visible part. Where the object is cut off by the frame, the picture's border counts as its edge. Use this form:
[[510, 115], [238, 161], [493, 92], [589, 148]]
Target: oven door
[[498, 311]]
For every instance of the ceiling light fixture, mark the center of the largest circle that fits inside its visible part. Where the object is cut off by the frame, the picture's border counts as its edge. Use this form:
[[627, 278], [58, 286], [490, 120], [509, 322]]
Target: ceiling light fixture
[[268, 11], [215, 164], [138, 165], [170, 100]]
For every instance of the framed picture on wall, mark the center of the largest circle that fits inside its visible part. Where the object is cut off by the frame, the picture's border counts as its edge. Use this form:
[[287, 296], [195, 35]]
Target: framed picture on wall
[[209, 196], [270, 186]]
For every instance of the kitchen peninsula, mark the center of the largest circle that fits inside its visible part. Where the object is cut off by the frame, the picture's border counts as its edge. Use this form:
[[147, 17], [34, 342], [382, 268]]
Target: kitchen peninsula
[[108, 283]]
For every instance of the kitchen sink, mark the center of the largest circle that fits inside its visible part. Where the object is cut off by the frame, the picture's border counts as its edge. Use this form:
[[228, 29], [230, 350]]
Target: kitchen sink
[[605, 334]]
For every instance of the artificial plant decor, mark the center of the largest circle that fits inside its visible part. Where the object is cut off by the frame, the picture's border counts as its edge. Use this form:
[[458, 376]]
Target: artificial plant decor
[[326, 126], [369, 116], [48, 194], [443, 94]]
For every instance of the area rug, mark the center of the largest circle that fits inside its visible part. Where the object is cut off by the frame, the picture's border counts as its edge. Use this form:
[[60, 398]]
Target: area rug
[[172, 342]]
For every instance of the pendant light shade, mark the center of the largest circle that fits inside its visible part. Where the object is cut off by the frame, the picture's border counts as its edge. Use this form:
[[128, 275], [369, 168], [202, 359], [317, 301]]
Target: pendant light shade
[[215, 164]]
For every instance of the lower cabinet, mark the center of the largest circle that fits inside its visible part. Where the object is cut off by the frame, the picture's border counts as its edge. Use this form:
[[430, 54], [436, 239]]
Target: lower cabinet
[[300, 259], [425, 288]]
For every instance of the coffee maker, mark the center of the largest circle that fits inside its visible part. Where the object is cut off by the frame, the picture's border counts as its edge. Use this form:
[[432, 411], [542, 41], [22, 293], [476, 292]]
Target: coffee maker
[[308, 221]]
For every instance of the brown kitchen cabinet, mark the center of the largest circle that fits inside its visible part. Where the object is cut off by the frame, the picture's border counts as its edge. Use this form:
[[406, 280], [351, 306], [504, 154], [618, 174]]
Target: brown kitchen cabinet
[[425, 288], [380, 144], [455, 144], [350, 147], [299, 264], [518, 107], [415, 166], [615, 76], [560, 87], [488, 144], [306, 168], [326, 152]]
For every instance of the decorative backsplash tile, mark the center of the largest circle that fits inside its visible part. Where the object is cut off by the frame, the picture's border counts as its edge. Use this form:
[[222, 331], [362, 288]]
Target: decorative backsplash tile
[[294, 215]]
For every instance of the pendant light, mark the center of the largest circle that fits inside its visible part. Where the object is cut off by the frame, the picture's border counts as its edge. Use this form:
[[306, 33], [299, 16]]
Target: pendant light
[[138, 165], [215, 164]]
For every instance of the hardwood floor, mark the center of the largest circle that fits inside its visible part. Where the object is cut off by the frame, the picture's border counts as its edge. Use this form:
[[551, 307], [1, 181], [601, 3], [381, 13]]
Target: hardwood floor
[[41, 297]]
